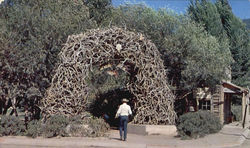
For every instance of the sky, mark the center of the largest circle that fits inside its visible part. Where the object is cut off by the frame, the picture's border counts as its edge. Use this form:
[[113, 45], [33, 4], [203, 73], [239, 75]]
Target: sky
[[241, 8]]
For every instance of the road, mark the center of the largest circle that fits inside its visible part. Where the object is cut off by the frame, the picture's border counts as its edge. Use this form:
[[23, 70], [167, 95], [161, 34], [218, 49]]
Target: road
[[246, 143]]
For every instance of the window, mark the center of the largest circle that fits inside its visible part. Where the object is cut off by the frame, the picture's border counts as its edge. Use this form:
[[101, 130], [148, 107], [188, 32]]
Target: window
[[204, 104]]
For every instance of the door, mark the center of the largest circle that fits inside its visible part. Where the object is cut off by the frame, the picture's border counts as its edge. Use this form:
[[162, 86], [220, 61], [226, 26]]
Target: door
[[227, 108]]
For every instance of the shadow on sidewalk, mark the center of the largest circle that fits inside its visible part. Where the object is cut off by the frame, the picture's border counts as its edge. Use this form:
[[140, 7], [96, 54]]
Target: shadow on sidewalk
[[118, 139]]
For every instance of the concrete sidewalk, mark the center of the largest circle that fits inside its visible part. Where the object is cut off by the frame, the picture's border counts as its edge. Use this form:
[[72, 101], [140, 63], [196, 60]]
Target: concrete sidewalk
[[229, 136]]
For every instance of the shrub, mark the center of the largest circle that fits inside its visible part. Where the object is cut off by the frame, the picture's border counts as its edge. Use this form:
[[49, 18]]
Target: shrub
[[34, 129], [11, 126], [236, 110], [55, 126], [197, 124], [76, 120], [97, 127], [60, 125], [89, 127]]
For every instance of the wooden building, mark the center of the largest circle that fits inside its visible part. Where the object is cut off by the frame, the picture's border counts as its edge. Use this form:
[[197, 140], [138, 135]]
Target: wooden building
[[219, 101]]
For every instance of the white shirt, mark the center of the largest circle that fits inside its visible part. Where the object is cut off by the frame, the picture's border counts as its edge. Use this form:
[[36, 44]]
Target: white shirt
[[124, 110]]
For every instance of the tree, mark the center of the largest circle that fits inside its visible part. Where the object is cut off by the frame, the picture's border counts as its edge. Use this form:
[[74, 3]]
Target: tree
[[99, 10], [247, 22], [239, 40], [194, 58], [188, 51], [206, 13], [156, 25], [226, 27], [33, 32]]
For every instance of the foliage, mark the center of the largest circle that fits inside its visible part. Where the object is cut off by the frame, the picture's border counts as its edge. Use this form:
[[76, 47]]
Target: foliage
[[247, 22], [156, 25], [106, 92], [91, 127], [99, 10], [34, 129], [32, 33], [98, 125], [239, 43], [221, 23], [189, 53], [195, 58], [55, 126], [205, 12], [197, 124], [101, 82], [60, 125], [237, 112], [77, 119], [11, 126]]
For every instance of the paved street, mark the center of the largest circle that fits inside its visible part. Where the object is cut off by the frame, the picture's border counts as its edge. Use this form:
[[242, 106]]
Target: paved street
[[246, 143], [228, 137]]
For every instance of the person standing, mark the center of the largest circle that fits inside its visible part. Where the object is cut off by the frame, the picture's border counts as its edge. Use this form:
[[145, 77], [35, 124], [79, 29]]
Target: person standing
[[123, 112]]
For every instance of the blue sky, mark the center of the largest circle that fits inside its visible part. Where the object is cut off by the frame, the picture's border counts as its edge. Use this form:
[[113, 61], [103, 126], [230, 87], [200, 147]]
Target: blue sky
[[241, 8]]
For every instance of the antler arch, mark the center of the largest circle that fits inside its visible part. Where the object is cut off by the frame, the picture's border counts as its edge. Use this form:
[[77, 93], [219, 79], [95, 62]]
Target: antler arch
[[69, 91]]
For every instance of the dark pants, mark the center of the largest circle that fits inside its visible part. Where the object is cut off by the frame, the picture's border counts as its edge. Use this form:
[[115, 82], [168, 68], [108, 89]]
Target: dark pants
[[123, 125]]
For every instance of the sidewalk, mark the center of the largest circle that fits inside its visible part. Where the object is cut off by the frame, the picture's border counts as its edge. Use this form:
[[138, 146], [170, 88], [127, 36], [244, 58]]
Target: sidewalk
[[229, 136]]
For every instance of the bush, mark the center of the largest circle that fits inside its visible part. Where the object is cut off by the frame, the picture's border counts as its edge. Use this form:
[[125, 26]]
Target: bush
[[237, 113], [97, 125], [197, 124], [60, 125], [55, 126], [76, 120], [34, 129], [11, 126], [90, 127]]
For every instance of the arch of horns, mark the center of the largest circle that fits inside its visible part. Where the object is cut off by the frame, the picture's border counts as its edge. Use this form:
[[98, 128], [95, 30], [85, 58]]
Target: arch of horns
[[69, 90]]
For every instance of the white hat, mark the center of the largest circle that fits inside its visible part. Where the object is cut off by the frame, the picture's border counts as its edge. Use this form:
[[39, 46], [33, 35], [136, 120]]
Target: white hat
[[125, 100]]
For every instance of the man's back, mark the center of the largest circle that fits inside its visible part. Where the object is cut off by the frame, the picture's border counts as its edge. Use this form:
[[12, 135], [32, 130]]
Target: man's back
[[124, 110]]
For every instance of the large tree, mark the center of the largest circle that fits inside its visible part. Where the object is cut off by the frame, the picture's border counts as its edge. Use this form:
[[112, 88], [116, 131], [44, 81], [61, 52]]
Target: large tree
[[156, 25], [99, 10], [33, 32], [239, 43], [221, 23], [247, 22], [192, 57], [206, 13]]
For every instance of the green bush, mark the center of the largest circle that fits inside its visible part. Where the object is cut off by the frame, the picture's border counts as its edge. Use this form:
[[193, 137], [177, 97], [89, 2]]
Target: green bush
[[90, 127], [55, 126], [97, 125], [237, 113], [11, 126], [197, 124], [76, 120], [58, 125], [34, 129]]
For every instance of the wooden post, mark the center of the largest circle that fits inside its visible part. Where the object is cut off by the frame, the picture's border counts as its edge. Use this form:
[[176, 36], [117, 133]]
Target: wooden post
[[246, 112], [247, 104], [211, 105], [243, 106], [221, 104]]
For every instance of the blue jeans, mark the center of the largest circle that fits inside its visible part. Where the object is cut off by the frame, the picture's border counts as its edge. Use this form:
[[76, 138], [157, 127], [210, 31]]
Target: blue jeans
[[123, 125]]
